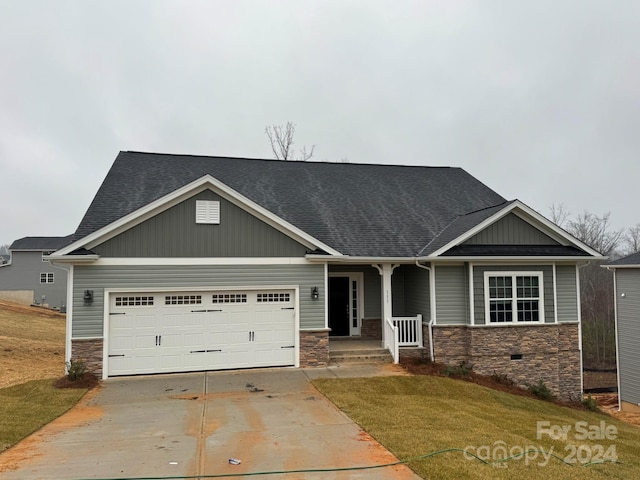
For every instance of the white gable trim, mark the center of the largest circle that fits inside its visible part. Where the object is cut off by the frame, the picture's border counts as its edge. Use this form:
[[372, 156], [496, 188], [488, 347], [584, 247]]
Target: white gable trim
[[521, 210], [164, 203]]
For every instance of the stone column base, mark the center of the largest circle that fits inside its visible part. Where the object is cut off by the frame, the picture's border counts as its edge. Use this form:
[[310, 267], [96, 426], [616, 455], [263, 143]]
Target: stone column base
[[90, 352], [314, 348]]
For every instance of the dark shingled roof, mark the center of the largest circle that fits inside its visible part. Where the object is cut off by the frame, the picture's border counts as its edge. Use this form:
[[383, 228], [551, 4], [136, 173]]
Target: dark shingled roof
[[633, 259], [358, 209], [41, 243]]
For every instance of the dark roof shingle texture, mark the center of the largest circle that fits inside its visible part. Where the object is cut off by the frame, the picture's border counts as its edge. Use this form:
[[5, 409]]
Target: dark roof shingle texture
[[41, 243], [357, 209]]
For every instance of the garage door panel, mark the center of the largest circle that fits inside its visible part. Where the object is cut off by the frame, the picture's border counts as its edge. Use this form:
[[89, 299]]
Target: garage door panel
[[176, 332]]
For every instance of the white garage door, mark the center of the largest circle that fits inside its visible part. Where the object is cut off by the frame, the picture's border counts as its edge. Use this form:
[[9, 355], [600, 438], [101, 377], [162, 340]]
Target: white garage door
[[191, 331]]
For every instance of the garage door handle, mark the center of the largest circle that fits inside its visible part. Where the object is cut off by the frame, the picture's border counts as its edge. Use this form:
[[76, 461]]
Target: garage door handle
[[158, 340], [117, 313], [111, 356], [204, 311], [289, 346], [204, 351], [287, 308]]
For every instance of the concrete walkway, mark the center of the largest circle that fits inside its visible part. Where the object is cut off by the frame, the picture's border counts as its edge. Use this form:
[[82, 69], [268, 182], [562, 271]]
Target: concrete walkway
[[191, 424]]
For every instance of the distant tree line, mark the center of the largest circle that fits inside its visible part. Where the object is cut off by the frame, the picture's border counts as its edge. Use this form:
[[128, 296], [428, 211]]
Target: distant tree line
[[596, 283]]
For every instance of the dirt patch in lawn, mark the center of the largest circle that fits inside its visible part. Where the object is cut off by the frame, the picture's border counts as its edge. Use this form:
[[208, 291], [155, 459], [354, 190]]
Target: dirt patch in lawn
[[31, 344], [608, 403]]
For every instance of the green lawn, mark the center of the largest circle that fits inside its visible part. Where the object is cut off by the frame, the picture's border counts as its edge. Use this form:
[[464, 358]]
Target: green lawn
[[416, 415], [29, 406]]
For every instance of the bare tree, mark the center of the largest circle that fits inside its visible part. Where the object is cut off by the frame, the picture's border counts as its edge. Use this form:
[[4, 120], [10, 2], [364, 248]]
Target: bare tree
[[631, 240], [559, 214], [281, 138], [595, 231], [4, 249], [596, 285]]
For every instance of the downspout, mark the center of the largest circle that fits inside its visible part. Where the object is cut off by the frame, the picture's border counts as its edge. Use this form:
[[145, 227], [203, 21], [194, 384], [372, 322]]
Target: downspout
[[431, 317], [580, 328], [68, 312], [615, 324]]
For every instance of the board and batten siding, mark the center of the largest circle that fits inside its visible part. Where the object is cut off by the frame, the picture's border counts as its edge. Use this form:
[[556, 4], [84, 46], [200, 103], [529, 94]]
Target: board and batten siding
[[175, 233], [452, 294], [628, 314], [511, 230], [478, 288], [88, 319], [567, 293]]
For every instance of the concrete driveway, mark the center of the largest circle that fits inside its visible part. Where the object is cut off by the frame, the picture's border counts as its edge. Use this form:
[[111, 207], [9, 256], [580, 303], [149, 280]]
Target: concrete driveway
[[191, 424]]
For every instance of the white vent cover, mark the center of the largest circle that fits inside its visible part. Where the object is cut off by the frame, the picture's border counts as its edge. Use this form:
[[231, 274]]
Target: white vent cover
[[207, 211]]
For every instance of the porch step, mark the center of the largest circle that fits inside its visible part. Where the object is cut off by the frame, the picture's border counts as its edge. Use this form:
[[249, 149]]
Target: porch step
[[370, 355]]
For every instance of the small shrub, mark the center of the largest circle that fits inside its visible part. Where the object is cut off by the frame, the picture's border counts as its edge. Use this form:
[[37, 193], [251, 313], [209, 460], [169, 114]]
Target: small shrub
[[590, 404], [503, 379], [463, 369], [540, 390], [76, 369]]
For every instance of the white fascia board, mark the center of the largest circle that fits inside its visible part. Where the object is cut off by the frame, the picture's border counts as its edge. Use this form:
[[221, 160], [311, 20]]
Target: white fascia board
[[185, 261], [358, 260], [203, 183], [73, 259], [551, 229], [518, 259]]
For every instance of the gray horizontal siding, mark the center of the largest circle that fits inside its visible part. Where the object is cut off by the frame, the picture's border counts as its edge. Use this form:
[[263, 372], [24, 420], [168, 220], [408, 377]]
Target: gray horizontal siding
[[567, 293], [24, 274], [478, 288], [452, 305], [628, 283], [511, 230], [88, 320], [174, 233]]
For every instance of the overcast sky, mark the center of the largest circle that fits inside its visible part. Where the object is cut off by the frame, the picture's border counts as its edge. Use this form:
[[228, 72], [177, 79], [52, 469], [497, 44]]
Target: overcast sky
[[540, 100]]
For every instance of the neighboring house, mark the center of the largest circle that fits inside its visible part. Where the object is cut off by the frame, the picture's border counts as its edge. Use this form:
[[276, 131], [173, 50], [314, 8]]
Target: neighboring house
[[626, 275], [29, 278], [186, 263]]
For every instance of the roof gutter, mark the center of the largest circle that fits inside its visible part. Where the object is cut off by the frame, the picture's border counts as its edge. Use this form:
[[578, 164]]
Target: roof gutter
[[73, 259]]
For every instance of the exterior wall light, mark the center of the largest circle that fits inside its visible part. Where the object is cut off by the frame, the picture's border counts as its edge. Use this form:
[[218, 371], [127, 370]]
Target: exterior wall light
[[88, 297], [314, 293]]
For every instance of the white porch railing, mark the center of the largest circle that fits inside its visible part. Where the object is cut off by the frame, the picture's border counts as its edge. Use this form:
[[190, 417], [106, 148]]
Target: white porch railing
[[409, 331], [391, 339]]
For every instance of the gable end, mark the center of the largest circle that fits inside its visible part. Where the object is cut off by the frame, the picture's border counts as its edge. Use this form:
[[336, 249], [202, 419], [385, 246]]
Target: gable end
[[176, 233], [511, 230]]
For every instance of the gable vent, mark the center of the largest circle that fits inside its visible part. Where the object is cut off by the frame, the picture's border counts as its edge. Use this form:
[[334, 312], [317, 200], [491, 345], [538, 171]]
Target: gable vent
[[207, 211]]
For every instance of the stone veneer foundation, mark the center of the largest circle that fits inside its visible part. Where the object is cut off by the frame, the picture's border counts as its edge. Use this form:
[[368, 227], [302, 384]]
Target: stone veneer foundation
[[525, 353], [90, 352], [314, 348]]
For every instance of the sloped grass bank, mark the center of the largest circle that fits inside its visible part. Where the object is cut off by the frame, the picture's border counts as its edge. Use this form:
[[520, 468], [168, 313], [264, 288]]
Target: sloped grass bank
[[418, 415], [27, 407]]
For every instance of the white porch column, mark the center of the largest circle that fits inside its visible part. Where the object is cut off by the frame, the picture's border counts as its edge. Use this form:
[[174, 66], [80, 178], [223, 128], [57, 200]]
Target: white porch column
[[386, 270]]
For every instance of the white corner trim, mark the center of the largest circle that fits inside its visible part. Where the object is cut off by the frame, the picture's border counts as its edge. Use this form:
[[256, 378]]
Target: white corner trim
[[203, 183], [472, 315]]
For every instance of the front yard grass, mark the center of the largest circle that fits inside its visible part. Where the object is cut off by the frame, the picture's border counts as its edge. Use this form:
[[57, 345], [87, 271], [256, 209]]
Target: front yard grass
[[29, 406], [417, 415]]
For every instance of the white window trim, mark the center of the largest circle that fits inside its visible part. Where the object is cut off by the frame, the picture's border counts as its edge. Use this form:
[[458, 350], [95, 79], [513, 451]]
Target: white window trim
[[47, 275], [514, 299]]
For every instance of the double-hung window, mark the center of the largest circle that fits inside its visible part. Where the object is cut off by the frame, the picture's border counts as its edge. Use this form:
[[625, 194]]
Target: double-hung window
[[513, 297]]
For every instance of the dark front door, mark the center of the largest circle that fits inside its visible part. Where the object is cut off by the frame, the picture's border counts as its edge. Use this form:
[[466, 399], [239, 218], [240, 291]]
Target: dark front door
[[339, 306]]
